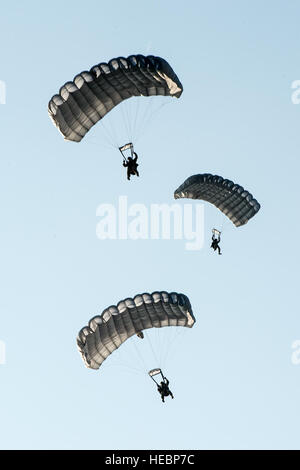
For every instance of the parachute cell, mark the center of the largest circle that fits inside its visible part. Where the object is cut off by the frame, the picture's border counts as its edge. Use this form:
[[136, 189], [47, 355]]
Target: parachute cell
[[106, 332], [91, 95], [233, 200]]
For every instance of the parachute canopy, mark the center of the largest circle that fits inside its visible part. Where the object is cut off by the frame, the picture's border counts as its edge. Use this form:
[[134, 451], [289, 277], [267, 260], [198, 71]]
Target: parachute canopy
[[233, 200], [106, 332], [91, 95]]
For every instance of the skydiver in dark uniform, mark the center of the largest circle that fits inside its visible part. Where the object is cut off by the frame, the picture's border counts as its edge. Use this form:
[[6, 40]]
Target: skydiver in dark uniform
[[164, 390], [215, 243], [131, 164]]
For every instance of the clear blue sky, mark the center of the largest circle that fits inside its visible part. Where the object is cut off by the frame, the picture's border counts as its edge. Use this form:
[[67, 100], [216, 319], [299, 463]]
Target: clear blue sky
[[233, 379]]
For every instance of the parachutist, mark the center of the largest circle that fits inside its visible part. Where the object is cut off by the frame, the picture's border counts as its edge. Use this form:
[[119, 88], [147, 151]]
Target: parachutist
[[131, 164], [164, 390], [163, 387], [215, 243]]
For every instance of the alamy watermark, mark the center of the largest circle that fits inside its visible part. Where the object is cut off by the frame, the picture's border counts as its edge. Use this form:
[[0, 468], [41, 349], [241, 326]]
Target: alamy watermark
[[156, 222], [295, 357], [2, 353], [295, 97], [2, 92]]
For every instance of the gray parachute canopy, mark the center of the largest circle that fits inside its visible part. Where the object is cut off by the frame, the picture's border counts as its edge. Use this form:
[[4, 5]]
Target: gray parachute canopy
[[91, 95], [106, 332], [233, 200]]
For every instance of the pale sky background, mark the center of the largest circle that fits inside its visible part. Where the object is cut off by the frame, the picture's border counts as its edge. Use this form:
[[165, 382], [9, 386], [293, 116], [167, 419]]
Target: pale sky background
[[232, 375]]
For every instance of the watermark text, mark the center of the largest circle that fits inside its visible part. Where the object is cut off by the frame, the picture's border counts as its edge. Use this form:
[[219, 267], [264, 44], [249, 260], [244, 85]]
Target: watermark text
[[2, 92], [156, 222], [2, 353]]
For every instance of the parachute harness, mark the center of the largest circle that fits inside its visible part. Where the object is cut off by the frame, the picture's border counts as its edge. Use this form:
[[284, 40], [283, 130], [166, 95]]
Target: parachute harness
[[216, 232], [125, 147], [153, 372]]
